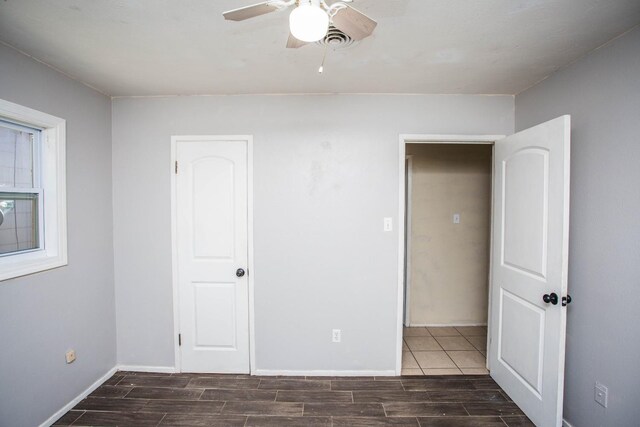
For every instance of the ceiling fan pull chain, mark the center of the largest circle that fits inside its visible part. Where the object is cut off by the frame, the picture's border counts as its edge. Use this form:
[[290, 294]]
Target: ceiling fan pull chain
[[324, 56]]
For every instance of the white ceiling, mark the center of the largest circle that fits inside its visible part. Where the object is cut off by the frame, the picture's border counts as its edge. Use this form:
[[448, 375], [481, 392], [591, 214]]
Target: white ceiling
[[180, 47]]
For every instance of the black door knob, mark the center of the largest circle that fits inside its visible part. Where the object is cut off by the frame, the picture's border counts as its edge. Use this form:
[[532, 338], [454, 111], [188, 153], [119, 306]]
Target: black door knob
[[566, 300], [550, 298], [239, 272]]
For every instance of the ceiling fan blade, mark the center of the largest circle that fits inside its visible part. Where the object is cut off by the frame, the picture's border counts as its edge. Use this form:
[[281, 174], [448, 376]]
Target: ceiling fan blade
[[294, 43], [354, 23], [249, 11]]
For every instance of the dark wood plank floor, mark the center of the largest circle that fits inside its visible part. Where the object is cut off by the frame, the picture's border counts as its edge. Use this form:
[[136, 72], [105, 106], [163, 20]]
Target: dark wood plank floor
[[147, 399]]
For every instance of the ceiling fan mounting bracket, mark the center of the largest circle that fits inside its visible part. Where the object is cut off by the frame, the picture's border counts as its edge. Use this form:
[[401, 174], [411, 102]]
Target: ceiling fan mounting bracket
[[282, 4], [336, 7]]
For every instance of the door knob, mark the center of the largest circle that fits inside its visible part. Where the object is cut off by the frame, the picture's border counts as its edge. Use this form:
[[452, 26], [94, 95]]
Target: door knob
[[566, 300], [550, 298], [239, 272]]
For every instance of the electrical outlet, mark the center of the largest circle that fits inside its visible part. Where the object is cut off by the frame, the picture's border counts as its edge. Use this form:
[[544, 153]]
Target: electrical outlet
[[601, 394], [336, 335], [456, 218], [70, 356]]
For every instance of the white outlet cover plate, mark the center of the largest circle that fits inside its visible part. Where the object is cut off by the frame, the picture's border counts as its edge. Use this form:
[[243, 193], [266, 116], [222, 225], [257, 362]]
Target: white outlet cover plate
[[70, 356], [601, 394]]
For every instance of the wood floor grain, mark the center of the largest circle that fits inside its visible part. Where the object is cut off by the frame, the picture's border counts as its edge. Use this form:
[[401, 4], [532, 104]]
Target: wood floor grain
[[97, 418], [216, 400], [239, 395], [164, 393], [461, 422], [344, 409], [422, 409], [190, 420], [376, 396], [285, 409], [374, 422], [295, 385], [183, 407], [310, 396], [260, 421]]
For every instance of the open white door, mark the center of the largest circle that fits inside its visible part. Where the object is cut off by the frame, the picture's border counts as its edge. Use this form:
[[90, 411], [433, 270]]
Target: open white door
[[530, 256], [212, 253]]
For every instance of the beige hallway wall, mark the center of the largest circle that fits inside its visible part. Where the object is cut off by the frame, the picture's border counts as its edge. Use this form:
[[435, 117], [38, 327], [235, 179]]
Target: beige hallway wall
[[449, 262]]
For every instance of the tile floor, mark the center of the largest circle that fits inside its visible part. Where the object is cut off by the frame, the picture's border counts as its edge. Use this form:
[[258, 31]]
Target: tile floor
[[445, 351], [146, 399]]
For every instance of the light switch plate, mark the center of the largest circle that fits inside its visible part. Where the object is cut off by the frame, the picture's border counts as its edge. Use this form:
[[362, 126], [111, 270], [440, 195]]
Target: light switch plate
[[456, 218], [388, 224]]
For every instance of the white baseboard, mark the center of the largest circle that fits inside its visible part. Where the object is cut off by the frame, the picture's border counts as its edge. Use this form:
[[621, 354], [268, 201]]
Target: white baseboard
[[134, 368], [440, 325], [324, 373], [170, 370], [142, 368], [66, 408], [565, 423]]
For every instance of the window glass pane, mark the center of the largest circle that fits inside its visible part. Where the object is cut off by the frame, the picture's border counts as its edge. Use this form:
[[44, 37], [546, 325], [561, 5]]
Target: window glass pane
[[18, 222], [16, 157]]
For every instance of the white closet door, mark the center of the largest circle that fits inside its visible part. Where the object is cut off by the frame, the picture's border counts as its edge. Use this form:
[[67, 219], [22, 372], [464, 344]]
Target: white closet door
[[211, 212]]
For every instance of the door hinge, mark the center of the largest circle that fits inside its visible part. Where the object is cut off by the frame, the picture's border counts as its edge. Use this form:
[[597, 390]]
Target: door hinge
[[176, 169], [179, 339]]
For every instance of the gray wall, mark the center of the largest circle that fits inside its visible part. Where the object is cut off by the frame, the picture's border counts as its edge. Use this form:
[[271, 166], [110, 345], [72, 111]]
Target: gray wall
[[325, 175], [43, 315], [602, 94]]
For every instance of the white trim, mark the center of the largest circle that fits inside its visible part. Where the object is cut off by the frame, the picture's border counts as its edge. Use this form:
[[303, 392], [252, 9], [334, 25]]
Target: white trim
[[324, 373], [422, 139], [177, 360], [145, 368], [250, 269], [400, 304], [53, 180], [565, 423], [449, 139], [174, 251], [407, 262], [66, 408], [440, 325], [489, 278]]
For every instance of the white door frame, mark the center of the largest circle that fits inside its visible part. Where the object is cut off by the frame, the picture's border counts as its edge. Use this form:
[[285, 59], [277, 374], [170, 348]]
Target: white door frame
[[174, 233], [430, 139], [407, 235]]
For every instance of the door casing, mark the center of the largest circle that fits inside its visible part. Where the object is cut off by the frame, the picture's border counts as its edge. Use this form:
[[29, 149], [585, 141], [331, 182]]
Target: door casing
[[175, 140], [431, 139]]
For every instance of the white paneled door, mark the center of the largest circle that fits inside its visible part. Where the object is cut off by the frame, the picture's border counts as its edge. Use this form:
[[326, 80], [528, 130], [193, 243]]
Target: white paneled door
[[212, 254], [530, 255]]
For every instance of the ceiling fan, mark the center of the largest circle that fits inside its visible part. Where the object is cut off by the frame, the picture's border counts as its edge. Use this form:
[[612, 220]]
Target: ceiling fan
[[311, 19]]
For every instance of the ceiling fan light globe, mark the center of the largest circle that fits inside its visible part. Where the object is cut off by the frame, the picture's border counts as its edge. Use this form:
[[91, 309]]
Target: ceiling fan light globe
[[308, 23]]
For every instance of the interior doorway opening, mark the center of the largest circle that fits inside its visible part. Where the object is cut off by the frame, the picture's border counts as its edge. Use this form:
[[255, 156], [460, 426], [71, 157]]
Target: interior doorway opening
[[447, 252], [447, 200]]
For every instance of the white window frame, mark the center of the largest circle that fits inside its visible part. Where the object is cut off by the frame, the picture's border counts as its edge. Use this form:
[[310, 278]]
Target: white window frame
[[53, 250]]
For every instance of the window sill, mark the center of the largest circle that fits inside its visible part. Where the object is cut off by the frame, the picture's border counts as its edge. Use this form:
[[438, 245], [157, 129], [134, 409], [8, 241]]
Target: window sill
[[29, 263]]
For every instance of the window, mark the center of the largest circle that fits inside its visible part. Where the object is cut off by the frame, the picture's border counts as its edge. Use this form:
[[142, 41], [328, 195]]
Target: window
[[20, 189], [32, 191]]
